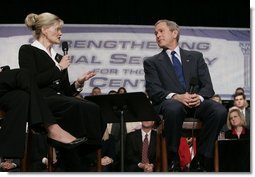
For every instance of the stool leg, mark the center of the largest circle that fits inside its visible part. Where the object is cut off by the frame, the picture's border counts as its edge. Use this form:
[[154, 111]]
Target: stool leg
[[216, 157], [164, 155], [99, 166], [24, 164], [50, 158], [158, 155]]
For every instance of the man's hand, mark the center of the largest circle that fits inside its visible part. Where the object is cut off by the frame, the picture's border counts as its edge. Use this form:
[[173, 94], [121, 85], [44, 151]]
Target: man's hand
[[194, 100], [147, 167], [189, 100]]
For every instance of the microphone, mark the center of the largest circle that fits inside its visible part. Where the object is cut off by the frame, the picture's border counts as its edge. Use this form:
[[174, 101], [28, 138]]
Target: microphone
[[192, 84], [65, 47], [58, 57], [5, 68]]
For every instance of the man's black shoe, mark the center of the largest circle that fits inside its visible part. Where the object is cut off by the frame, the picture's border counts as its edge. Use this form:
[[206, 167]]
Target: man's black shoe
[[174, 166], [197, 164]]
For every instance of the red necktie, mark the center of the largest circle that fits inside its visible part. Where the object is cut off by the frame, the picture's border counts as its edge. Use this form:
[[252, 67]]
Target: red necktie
[[145, 158]]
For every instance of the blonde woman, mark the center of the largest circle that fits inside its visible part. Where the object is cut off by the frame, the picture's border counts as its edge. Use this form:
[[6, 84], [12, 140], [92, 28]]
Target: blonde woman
[[80, 117], [236, 124]]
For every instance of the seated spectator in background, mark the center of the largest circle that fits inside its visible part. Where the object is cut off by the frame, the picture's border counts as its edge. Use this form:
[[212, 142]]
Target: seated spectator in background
[[237, 125], [111, 92], [217, 98], [241, 90], [240, 102], [10, 165], [108, 151], [121, 90], [186, 151], [135, 161], [96, 91]]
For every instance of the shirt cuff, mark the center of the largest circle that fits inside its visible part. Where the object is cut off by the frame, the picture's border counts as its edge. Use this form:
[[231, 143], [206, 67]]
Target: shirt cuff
[[57, 65], [170, 95], [201, 98]]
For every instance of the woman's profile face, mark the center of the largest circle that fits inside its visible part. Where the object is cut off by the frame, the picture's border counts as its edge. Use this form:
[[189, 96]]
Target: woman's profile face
[[53, 33]]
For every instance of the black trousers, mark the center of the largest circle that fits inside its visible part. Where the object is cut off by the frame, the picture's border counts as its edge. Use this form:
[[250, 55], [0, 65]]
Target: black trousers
[[81, 118], [212, 114], [22, 101]]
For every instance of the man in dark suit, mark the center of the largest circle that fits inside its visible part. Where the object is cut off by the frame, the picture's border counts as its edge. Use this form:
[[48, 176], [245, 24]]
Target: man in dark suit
[[168, 88], [21, 100], [134, 147], [241, 103]]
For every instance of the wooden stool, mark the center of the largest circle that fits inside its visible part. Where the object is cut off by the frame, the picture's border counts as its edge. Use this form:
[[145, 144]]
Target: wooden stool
[[191, 128]]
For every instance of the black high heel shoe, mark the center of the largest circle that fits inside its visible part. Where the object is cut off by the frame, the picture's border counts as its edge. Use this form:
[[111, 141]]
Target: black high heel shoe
[[70, 145]]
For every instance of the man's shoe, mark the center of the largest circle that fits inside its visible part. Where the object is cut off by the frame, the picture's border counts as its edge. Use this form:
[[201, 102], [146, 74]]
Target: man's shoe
[[197, 164], [174, 166]]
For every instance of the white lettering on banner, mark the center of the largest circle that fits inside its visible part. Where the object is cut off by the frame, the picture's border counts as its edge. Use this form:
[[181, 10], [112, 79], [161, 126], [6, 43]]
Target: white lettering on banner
[[116, 54]]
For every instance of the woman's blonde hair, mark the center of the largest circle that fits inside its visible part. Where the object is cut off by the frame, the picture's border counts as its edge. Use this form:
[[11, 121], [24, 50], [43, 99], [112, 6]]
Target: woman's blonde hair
[[35, 22], [242, 118]]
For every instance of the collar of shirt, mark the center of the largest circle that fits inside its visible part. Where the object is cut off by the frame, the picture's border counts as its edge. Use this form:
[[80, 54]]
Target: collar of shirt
[[235, 133], [144, 133], [177, 53], [38, 45]]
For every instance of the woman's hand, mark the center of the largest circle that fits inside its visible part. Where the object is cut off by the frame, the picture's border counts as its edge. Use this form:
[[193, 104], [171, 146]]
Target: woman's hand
[[86, 76], [64, 62]]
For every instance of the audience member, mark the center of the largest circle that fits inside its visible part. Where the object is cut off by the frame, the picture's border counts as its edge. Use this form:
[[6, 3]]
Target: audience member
[[241, 90], [217, 98], [240, 102], [237, 125], [9, 165], [121, 90], [96, 91], [50, 71], [108, 151], [140, 150], [179, 84]]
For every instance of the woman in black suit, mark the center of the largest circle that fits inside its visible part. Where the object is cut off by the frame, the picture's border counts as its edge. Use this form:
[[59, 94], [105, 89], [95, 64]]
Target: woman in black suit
[[78, 116]]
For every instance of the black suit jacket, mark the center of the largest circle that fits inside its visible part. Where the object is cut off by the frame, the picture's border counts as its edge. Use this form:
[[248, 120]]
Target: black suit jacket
[[161, 78], [133, 150], [247, 117], [49, 78]]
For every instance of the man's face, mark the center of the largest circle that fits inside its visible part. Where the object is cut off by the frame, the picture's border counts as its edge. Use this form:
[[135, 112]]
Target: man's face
[[164, 36], [147, 124], [239, 101]]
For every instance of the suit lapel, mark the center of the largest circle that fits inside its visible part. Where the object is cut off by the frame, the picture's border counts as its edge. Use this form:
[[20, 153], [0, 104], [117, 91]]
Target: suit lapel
[[186, 62], [50, 63], [167, 65], [139, 141]]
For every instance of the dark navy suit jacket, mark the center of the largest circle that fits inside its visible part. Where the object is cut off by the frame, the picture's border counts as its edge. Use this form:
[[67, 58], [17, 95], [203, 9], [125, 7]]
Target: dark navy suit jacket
[[161, 78]]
